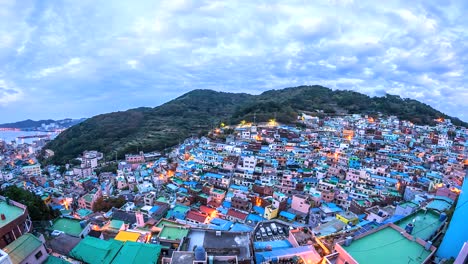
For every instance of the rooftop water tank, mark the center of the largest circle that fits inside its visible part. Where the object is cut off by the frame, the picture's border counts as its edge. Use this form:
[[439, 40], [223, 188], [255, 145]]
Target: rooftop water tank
[[409, 228], [442, 217]]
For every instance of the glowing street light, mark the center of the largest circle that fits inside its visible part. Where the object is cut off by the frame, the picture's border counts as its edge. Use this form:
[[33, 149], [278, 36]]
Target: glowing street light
[[272, 122]]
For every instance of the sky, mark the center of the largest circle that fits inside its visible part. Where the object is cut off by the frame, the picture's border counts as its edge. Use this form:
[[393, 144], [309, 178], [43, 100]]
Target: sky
[[61, 59]]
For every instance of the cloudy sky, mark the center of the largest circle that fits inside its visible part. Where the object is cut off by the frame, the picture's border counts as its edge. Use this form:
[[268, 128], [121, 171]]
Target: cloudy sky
[[80, 58]]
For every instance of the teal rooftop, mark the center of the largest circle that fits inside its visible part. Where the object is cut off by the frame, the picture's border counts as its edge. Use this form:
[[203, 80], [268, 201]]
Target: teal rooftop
[[173, 232], [70, 227], [386, 246], [11, 213], [425, 224]]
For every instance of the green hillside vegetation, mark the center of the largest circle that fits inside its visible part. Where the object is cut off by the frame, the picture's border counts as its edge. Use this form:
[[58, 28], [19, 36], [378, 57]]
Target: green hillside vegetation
[[198, 111], [38, 210]]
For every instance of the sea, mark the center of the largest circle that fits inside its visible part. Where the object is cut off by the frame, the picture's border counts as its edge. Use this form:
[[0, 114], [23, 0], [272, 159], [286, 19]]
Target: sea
[[9, 136]]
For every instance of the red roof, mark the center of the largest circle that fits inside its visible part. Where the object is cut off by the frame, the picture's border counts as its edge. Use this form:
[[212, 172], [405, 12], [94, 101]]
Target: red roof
[[237, 214], [196, 216], [207, 210]]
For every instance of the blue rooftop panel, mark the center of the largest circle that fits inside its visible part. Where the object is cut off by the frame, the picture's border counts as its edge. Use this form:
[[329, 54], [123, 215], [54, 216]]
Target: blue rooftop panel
[[238, 227], [255, 218], [278, 244], [259, 210], [287, 215]]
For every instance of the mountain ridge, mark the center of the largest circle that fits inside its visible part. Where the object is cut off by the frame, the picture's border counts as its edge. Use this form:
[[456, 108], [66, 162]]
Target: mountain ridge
[[197, 111], [30, 124]]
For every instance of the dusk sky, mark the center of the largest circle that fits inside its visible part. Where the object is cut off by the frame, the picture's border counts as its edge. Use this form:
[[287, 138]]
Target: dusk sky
[[80, 58]]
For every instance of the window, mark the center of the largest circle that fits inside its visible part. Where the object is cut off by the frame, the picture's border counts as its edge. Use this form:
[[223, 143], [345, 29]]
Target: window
[[38, 255], [7, 238]]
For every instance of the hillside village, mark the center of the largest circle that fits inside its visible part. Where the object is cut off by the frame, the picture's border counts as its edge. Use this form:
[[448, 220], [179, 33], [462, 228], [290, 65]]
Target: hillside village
[[333, 189]]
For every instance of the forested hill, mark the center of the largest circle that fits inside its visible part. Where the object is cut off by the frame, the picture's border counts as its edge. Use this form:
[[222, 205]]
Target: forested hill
[[31, 124], [199, 110]]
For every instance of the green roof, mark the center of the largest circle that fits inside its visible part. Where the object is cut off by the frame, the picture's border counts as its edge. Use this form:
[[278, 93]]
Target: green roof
[[84, 212], [96, 251], [69, 226], [180, 208], [440, 205], [65, 212], [88, 198], [54, 260], [218, 191], [386, 246], [173, 233], [164, 222], [11, 212], [116, 224], [134, 252], [410, 204], [161, 199], [22, 247], [424, 226]]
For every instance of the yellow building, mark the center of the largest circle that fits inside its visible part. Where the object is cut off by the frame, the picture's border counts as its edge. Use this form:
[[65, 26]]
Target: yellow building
[[270, 212], [127, 236], [347, 218]]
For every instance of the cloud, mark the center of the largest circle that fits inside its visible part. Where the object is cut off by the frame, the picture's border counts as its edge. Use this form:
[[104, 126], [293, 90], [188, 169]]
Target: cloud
[[128, 55], [70, 66], [9, 93]]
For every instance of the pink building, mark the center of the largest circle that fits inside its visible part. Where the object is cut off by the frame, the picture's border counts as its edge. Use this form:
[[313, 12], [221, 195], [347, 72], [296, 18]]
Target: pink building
[[139, 158], [300, 203], [446, 192]]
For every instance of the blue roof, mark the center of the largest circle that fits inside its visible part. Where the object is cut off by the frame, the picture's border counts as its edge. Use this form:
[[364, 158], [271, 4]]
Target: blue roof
[[213, 175], [393, 219], [172, 186], [275, 254], [220, 224], [154, 209], [227, 204], [238, 187], [287, 215], [238, 227], [315, 210], [255, 218], [275, 244], [259, 210], [222, 210]]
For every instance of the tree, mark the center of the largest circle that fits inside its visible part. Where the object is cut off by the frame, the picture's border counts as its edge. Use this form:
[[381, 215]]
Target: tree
[[38, 210], [104, 205]]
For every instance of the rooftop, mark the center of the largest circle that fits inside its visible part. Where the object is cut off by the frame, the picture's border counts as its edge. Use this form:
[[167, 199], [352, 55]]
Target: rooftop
[[183, 257], [94, 250], [440, 205], [138, 253], [22, 247], [164, 222], [68, 226], [127, 236], [219, 243], [55, 260], [386, 246], [425, 224], [11, 212], [173, 233]]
